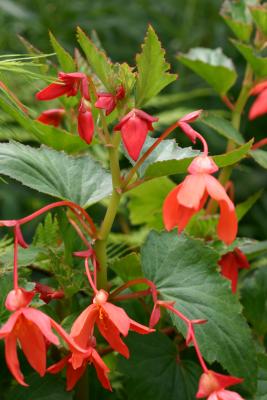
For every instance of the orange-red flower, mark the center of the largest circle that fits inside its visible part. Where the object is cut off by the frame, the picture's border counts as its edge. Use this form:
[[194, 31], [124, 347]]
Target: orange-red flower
[[212, 386], [85, 123], [190, 196], [134, 128], [108, 101], [52, 117], [259, 107], [230, 264], [67, 84], [112, 321]]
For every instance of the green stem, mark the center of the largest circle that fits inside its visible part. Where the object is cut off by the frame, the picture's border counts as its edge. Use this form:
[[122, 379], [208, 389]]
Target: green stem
[[242, 99], [101, 243]]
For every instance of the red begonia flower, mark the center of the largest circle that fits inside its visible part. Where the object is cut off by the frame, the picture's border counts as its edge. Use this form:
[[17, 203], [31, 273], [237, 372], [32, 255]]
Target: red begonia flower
[[111, 322], [52, 117], [85, 123], [259, 107], [46, 293], [33, 329], [230, 264], [108, 101], [134, 128], [212, 386], [190, 196], [67, 84], [76, 366]]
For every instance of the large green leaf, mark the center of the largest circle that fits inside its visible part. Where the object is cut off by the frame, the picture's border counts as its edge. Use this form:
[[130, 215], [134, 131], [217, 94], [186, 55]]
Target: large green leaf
[[79, 179], [222, 126], [146, 201], [253, 291], [97, 60], [50, 387], [170, 159], [257, 62], [260, 156], [185, 271], [253, 248], [152, 69], [65, 60], [155, 372], [45, 134], [261, 393], [212, 65]]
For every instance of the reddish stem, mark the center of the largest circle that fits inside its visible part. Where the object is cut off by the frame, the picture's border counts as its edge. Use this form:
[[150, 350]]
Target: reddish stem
[[134, 295], [79, 232], [204, 143], [89, 276], [228, 102], [136, 282], [199, 355], [15, 258], [259, 144]]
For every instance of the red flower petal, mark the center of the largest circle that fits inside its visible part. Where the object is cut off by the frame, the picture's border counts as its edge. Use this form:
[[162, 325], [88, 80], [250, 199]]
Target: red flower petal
[[85, 124], [12, 359], [42, 321], [52, 91], [101, 369], [118, 317], [170, 209], [192, 191], [259, 107], [134, 134], [112, 335]]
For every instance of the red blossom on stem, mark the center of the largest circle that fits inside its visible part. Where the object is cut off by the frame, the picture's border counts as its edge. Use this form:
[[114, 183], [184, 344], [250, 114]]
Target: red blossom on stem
[[52, 117], [85, 122], [46, 293], [67, 84], [134, 128], [108, 101], [212, 386], [190, 196], [230, 264], [259, 107]]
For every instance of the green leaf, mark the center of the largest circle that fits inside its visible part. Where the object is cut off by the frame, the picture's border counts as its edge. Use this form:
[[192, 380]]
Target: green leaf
[[259, 14], [46, 134], [78, 179], [97, 60], [167, 100], [128, 267], [65, 60], [50, 387], [152, 69], [47, 233], [146, 202], [254, 288], [245, 206], [254, 248], [261, 393], [222, 126], [171, 159], [26, 257], [260, 156], [257, 62], [237, 17], [155, 372], [212, 65], [185, 271]]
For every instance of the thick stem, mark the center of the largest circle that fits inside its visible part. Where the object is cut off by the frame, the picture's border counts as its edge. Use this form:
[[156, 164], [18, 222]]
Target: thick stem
[[101, 243]]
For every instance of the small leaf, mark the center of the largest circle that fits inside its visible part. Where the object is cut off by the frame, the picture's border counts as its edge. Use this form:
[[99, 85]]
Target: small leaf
[[146, 202], [260, 156], [234, 156], [152, 69], [254, 288], [65, 60], [185, 271], [155, 372], [97, 60], [222, 126], [259, 14], [257, 62], [245, 206], [212, 65], [237, 17], [47, 233], [81, 179]]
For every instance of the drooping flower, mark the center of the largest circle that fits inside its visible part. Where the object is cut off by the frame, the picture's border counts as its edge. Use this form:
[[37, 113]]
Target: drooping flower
[[190, 196], [259, 107], [76, 364], [112, 321], [67, 84], [230, 264], [108, 101], [85, 123], [33, 330], [212, 386], [134, 128], [52, 117]]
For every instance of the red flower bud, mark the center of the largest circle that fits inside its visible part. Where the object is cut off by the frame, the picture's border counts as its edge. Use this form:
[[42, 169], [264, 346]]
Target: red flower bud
[[52, 117], [85, 123]]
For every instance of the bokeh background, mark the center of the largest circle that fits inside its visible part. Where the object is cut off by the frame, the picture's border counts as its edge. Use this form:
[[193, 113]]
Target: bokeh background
[[120, 27]]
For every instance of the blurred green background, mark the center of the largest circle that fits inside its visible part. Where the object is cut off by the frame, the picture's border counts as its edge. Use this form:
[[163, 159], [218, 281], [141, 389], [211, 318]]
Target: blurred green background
[[120, 26]]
